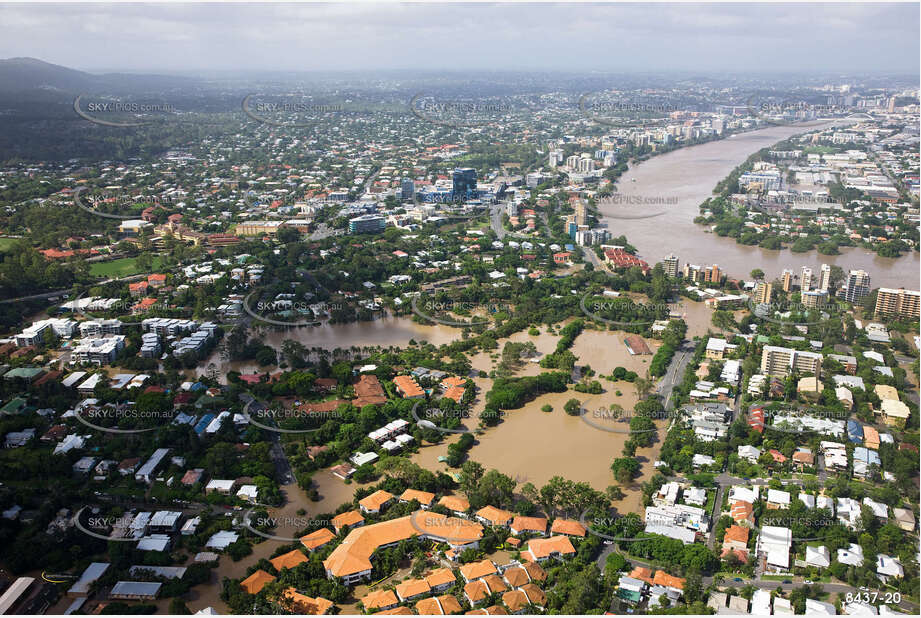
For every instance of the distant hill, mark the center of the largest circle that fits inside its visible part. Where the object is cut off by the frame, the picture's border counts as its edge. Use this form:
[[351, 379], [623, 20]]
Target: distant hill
[[22, 75]]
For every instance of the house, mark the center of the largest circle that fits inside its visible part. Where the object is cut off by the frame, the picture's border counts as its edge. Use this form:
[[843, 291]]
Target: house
[[904, 519], [630, 589], [491, 516], [408, 388], [736, 540], [818, 556], [777, 499], [476, 570], [257, 581], [743, 513], [424, 498], [288, 560], [376, 502], [440, 579], [852, 556], [301, 604], [774, 544], [380, 600], [569, 527], [888, 568], [479, 590], [540, 550], [412, 589], [317, 539], [803, 458], [749, 452], [881, 511], [528, 525], [438, 606], [820, 608], [457, 505], [349, 519]]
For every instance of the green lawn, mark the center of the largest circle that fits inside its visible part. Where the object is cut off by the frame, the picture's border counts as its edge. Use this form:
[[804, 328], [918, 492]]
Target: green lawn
[[119, 268], [6, 243]]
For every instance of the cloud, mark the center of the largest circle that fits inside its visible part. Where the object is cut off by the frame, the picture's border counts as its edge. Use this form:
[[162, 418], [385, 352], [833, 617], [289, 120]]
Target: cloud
[[574, 37]]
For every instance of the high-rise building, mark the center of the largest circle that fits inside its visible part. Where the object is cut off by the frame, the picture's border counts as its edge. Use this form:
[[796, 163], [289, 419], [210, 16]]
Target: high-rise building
[[692, 272], [580, 212], [670, 263], [902, 303], [712, 274], [813, 298], [825, 278], [856, 285], [463, 184], [366, 224], [762, 293], [407, 189], [805, 280], [572, 162], [787, 280], [556, 158], [777, 361]]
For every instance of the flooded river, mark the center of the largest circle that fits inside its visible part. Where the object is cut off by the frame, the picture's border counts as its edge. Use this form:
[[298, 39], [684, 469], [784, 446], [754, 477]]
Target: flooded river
[[689, 175]]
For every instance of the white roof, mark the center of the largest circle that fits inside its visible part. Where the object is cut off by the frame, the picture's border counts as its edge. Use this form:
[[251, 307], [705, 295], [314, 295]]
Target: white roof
[[777, 496], [818, 556]]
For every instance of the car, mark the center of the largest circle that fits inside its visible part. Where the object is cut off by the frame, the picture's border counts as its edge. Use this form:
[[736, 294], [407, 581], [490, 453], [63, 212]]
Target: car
[[864, 588], [737, 579], [786, 581], [809, 581]]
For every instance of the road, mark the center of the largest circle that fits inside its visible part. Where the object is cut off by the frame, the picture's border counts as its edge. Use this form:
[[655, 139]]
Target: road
[[69, 290], [675, 372]]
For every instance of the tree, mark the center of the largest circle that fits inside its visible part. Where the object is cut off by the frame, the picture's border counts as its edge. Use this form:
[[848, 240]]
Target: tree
[[573, 407], [757, 274], [624, 469]]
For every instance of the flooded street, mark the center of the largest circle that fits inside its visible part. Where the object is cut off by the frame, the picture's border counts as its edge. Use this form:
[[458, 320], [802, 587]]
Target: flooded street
[[689, 175]]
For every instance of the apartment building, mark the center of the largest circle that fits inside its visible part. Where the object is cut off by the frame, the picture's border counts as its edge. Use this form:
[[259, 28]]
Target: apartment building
[[856, 285], [762, 293], [777, 361], [902, 303]]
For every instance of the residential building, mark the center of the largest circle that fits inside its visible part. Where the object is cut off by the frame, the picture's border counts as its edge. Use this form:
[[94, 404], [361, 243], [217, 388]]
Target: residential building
[[778, 361], [900, 303], [856, 285]]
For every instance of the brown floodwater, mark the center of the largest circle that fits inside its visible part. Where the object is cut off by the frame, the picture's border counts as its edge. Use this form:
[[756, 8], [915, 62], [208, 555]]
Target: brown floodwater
[[689, 175]]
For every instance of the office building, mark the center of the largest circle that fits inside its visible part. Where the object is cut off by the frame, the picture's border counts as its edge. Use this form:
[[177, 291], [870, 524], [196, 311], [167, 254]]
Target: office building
[[367, 224], [407, 189], [901, 303], [856, 285], [670, 264], [463, 184], [777, 361]]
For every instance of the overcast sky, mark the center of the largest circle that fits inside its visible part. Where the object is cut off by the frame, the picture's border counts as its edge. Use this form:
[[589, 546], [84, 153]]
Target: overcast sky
[[575, 37]]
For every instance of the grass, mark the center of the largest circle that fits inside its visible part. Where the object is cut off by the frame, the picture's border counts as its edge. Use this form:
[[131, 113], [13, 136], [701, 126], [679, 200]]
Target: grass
[[119, 268], [6, 243]]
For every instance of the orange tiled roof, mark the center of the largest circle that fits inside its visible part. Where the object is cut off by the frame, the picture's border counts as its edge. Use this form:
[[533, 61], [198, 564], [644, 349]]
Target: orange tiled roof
[[438, 606], [642, 573], [396, 611], [455, 503], [497, 517], [423, 497], [516, 576], [317, 539], [535, 594], [376, 500], [379, 598], [664, 579], [440, 577], [738, 534], [515, 600], [741, 511], [412, 588], [453, 381], [529, 524], [535, 571], [349, 518], [476, 590], [455, 392], [353, 555], [256, 582], [542, 548], [408, 386], [289, 560], [476, 570], [302, 604], [567, 526]]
